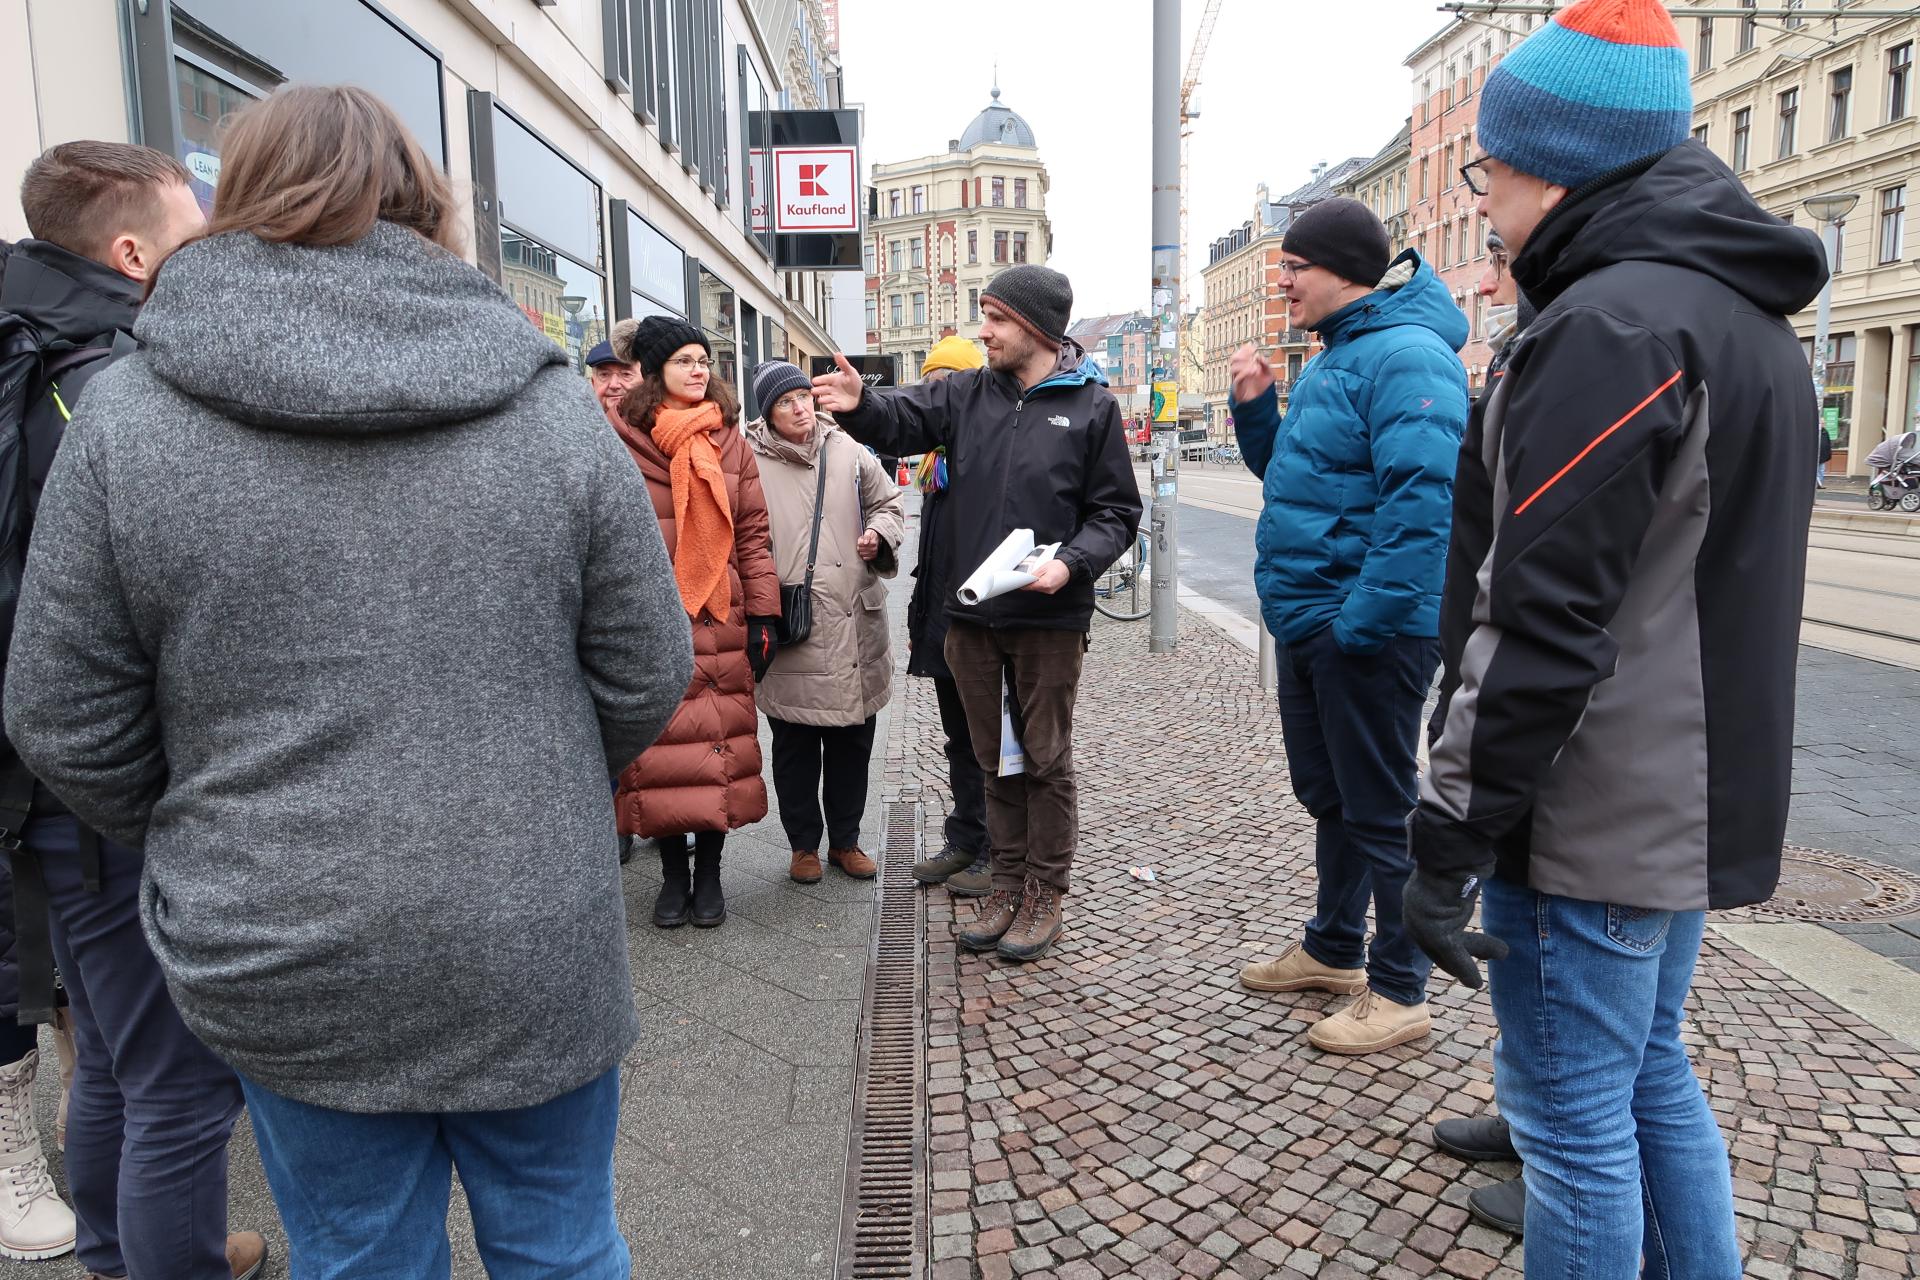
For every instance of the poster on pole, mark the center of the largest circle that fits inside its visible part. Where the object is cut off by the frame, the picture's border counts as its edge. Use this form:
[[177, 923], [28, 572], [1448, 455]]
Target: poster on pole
[[1166, 402]]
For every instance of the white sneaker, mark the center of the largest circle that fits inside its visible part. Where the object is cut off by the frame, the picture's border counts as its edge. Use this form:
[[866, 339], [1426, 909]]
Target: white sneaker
[[34, 1222]]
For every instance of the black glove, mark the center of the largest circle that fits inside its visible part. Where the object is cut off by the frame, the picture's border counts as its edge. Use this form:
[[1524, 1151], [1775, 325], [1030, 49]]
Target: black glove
[[762, 644], [1436, 907]]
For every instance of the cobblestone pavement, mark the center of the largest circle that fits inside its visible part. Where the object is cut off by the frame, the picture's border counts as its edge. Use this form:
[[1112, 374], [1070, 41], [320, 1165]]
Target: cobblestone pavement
[[1123, 1108]]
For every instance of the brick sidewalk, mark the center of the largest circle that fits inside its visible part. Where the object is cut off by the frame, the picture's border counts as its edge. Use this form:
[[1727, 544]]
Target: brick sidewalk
[[1125, 1108]]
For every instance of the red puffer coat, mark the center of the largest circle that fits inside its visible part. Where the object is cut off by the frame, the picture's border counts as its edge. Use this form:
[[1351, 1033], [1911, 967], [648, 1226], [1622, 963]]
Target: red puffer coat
[[703, 772]]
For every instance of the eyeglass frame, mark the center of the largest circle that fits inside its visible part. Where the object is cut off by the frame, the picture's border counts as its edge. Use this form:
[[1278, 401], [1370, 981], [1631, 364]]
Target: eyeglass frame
[[1293, 269], [702, 363], [1478, 187]]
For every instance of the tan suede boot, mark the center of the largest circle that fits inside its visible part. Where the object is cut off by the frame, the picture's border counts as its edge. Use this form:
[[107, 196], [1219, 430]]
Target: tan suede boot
[[1370, 1024], [805, 867], [853, 862], [1295, 970]]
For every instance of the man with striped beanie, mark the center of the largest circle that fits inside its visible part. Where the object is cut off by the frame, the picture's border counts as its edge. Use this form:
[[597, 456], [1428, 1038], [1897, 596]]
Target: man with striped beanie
[[1612, 752]]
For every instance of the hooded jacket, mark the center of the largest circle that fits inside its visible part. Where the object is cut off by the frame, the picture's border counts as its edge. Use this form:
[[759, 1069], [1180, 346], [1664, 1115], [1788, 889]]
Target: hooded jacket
[[344, 602], [1358, 478], [842, 673], [1616, 722], [1051, 458]]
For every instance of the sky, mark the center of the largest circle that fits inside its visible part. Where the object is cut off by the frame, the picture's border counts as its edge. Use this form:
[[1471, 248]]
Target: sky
[[1286, 84]]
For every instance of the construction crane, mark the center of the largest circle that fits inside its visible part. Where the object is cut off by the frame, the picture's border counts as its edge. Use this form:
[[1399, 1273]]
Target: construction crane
[[1188, 115]]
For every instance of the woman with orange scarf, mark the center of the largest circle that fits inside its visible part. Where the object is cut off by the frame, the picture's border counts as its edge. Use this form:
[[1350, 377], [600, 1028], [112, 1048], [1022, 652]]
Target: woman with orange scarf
[[701, 778]]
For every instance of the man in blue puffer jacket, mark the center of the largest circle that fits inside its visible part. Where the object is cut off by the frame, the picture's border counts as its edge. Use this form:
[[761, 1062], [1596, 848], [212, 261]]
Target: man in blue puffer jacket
[[1352, 549]]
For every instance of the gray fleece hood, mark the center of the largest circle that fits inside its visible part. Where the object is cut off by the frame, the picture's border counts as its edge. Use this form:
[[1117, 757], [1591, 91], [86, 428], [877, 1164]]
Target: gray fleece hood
[[383, 335]]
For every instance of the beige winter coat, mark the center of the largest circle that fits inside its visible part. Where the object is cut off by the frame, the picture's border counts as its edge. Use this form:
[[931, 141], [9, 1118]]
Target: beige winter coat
[[843, 673]]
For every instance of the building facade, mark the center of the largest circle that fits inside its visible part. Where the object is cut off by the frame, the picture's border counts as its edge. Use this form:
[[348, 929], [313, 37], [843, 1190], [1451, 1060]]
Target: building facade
[[1448, 70], [1381, 185], [944, 225], [604, 142], [1806, 107], [1241, 294]]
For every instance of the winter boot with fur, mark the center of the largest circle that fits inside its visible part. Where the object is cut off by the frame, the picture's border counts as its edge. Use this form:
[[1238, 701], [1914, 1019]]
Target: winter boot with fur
[[34, 1222]]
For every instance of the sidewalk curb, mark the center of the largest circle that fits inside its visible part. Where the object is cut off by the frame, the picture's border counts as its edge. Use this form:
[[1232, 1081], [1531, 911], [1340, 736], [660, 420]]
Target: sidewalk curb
[[1873, 988]]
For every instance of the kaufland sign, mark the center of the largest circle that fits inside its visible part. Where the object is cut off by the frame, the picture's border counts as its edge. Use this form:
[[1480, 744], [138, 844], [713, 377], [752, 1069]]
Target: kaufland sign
[[815, 189]]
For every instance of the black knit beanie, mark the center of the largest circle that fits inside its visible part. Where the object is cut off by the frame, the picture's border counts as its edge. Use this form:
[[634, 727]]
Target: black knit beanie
[[1039, 296], [655, 340], [1344, 237]]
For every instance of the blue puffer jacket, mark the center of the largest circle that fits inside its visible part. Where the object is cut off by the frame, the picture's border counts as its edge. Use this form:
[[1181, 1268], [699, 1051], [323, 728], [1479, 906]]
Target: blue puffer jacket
[[1359, 477]]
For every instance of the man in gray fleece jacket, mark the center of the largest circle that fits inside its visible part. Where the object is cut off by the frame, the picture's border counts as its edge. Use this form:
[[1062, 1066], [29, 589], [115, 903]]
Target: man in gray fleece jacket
[[343, 604]]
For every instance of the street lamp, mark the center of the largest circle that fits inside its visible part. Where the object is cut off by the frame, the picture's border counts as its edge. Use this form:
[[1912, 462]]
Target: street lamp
[[1828, 210]]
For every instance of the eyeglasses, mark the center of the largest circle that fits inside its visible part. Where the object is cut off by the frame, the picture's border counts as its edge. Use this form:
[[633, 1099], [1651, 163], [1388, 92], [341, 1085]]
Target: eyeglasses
[[793, 400], [1288, 270], [1474, 174], [687, 364]]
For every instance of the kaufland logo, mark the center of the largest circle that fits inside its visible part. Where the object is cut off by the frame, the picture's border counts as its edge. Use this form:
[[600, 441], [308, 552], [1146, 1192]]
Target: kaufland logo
[[815, 189]]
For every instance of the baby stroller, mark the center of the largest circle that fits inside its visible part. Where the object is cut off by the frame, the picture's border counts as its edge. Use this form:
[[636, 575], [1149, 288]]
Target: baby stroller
[[1895, 467]]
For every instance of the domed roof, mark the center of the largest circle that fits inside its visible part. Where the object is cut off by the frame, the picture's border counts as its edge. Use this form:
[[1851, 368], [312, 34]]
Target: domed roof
[[997, 124]]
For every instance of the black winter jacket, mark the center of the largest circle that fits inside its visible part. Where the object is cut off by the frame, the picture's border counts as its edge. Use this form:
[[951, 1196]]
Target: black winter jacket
[[1622, 609], [1052, 458], [75, 303]]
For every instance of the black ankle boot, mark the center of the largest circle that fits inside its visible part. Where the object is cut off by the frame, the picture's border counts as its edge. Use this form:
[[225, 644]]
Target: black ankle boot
[[709, 907], [675, 903]]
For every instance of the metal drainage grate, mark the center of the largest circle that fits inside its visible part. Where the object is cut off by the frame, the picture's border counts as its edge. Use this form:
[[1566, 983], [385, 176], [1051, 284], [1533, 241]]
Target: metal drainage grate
[[1818, 885], [883, 1222]]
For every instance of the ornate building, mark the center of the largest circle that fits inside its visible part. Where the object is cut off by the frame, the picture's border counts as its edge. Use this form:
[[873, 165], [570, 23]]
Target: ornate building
[[944, 225]]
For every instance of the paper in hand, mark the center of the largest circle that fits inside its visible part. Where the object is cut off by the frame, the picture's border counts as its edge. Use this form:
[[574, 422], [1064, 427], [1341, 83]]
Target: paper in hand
[[1014, 564]]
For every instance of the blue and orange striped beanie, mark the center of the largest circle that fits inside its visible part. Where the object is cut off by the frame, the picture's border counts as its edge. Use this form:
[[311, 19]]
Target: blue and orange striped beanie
[[1603, 84]]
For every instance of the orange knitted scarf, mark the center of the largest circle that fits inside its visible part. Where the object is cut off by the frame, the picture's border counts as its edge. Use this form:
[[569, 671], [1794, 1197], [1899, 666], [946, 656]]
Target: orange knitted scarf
[[702, 516]]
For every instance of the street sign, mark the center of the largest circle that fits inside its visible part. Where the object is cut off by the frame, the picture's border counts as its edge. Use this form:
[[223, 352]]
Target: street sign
[[816, 189]]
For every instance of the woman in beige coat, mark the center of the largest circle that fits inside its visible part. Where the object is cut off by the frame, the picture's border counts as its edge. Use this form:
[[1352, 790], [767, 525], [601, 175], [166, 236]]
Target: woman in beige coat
[[821, 695]]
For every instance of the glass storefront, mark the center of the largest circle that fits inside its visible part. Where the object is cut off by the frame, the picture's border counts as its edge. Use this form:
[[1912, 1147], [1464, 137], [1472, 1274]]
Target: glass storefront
[[718, 320], [654, 268], [550, 235], [197, 62]]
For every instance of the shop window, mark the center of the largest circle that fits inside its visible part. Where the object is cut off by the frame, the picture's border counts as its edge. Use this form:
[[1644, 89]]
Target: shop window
[[718, 321], [649, 267], [548, 213]]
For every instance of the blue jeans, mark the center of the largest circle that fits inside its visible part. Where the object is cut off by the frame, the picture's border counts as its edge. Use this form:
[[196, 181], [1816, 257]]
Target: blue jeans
[[365, 1196], [152, 1107], [1351, 724], [1623, 1158]]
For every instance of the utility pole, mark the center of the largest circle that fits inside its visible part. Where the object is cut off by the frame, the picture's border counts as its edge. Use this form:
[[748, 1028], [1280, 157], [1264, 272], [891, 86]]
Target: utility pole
[[1164, 359]]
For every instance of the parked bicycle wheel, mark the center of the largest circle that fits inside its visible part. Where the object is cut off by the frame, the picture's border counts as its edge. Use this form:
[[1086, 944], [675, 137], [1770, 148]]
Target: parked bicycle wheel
[[1123, 592]]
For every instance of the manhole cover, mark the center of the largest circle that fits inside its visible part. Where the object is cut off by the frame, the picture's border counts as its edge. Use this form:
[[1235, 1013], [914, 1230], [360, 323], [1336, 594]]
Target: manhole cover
[[1818, 885]]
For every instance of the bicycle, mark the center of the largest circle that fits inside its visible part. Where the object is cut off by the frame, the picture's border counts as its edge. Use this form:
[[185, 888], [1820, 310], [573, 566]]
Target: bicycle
[[1123, 592]]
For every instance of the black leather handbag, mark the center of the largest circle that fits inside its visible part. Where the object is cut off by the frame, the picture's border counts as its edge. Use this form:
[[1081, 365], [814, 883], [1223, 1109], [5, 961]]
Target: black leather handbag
[[796, 599]]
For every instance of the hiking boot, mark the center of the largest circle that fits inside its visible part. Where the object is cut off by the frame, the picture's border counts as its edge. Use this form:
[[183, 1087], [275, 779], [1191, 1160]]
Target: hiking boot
[[1370, 1024], [709, 905], [674, 906], [627, 844], [1481, 1138], [805, 867], [246, 1254], [1038, 923], [1295, 970], [34, 1222], [1502, 1206], [947, 862], [853, 862], [991, 924], [976, 881]]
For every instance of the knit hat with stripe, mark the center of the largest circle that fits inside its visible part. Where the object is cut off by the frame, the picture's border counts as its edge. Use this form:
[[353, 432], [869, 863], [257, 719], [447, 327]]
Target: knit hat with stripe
[[1603, 84]]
